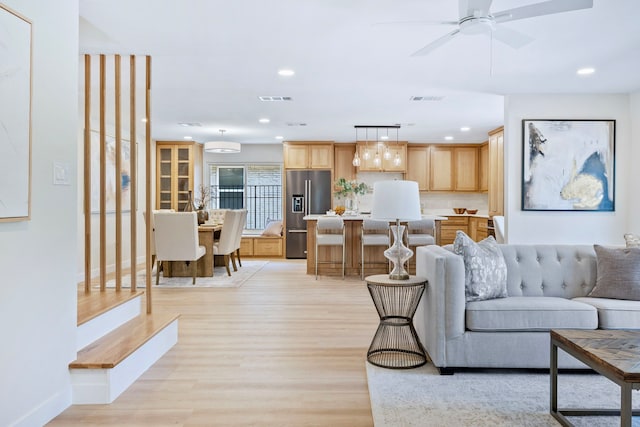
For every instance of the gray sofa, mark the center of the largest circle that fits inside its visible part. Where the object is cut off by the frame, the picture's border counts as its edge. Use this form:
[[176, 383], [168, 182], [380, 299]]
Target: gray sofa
[[547, 287]]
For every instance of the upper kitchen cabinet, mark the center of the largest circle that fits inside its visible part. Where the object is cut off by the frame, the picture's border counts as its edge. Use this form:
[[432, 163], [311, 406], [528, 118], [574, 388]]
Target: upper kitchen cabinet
[[418, 165], [385, 164], [308, 155], [343, 161], [453, 168], [496, 172], [178, 172], [483, 167]]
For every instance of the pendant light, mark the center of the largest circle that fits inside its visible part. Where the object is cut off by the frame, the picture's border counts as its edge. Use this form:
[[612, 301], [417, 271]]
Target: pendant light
[[397, 160], [222, 146], [356, 158], [376, 159], [366, 154], [387, 153]]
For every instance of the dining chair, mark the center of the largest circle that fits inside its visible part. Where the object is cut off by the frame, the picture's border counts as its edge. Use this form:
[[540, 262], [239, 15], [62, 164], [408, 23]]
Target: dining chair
[[225, 246], [330, 232], [153, 234], [498, 228], [374, 233], [176, 239], [239, 230]]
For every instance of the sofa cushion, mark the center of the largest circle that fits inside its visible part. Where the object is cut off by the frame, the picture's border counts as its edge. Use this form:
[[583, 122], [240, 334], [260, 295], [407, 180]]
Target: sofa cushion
[[485, 272], [530, 314], [618, 273], [615, 313]]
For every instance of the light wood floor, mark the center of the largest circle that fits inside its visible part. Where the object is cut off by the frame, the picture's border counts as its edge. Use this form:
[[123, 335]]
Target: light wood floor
[[281, 350]]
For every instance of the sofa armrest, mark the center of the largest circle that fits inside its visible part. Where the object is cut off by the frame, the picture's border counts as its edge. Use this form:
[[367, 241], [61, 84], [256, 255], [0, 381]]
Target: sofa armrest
[[441, 314]]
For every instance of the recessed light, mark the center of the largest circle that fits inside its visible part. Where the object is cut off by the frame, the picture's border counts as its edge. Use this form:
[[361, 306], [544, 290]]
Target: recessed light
[[448, 138], [279, 137], [285, 72], [143, 120], [384, 137], [264, 120], [188, 138], [586, 71], [465, 129]]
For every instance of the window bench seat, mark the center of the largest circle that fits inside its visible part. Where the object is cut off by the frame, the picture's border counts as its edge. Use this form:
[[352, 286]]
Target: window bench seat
[[255, 245]]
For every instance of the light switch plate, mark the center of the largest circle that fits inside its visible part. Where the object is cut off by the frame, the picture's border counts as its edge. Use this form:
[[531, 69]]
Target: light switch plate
[[61, 173]]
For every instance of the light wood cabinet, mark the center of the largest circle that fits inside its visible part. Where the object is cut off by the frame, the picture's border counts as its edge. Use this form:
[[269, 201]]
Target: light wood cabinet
[[343, 162], [496, 172], [418, 166], [465, 168], [449, 227], [453, 168], [178, 171], [483, 167], [385, 165], [308, 155], [478, 228]]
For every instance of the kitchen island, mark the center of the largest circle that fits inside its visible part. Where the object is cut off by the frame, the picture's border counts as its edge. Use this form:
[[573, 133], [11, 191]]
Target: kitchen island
[[353, 228]]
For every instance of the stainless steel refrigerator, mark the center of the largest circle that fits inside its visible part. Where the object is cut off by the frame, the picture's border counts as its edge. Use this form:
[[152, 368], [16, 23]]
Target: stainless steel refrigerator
[[308, 193]]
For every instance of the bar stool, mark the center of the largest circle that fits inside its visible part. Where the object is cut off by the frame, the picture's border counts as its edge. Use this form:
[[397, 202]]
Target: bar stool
[[420, 233], [330, 232], [374, 233]]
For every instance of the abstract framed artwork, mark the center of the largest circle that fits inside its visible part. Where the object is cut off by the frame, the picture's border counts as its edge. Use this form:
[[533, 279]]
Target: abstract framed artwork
[[15, 116], [568, 165], [112, 178]]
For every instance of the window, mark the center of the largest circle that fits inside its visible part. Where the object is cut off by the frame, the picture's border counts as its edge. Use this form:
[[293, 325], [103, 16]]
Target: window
[[257, 188]]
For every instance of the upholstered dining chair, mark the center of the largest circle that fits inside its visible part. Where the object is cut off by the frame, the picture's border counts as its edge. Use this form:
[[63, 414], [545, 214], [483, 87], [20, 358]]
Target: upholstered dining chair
[[374, 233], [330, 232], [225, 246], [239, 229], [176, 237], [498, 228], [153, 234]]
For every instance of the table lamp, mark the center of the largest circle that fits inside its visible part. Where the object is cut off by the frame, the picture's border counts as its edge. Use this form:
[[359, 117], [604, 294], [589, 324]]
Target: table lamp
[[396, 201]]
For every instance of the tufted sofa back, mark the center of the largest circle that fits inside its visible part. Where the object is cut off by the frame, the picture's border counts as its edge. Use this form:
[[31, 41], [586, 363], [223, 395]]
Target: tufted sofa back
[[566, 271]]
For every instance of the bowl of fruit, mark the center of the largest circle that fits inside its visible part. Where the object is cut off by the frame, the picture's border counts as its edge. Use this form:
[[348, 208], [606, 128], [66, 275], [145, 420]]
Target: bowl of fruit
[[339, 210]]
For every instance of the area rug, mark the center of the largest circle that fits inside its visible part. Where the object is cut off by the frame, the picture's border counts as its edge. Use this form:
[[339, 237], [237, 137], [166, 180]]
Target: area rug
[[509, 398], [220, 278]]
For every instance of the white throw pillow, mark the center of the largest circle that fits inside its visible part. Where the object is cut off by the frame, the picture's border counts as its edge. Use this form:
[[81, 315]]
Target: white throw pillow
[[632, 240], [273, 229], [485, 271]]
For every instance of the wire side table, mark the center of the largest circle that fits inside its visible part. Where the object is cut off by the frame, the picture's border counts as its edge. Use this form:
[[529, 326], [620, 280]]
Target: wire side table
[[396, 344]]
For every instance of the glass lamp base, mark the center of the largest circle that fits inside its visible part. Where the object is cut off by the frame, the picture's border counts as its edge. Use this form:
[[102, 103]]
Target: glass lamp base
[[398, 254]]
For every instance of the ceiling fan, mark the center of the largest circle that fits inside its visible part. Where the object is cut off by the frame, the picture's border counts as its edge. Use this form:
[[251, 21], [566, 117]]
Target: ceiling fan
[[475, 18]]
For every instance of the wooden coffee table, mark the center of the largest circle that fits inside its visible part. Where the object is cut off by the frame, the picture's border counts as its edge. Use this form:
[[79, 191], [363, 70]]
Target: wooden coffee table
[[612, 353]]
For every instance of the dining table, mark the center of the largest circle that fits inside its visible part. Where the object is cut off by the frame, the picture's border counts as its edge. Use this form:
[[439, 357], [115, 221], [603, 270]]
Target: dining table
[[207, 233]]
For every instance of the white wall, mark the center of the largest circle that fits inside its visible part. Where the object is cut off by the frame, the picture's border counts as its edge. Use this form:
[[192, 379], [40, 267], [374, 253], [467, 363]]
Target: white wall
[[633, 195], [38, 257], [567, 227]]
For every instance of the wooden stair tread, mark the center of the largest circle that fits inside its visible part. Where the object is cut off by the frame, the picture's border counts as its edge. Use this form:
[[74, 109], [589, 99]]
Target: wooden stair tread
[[95, 303], [114, 347]]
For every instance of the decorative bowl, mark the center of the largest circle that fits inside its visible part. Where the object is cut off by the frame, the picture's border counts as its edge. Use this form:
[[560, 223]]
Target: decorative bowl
[[459, 210], [472, 211]]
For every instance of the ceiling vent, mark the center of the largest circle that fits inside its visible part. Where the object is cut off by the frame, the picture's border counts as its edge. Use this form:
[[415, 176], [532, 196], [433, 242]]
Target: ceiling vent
[[185, 124], [275, 98], [296, 124], [426, 98]]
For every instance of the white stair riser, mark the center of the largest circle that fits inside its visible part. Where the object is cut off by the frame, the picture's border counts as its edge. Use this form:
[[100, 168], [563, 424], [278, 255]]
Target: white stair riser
[[101, 325], [100, 386]]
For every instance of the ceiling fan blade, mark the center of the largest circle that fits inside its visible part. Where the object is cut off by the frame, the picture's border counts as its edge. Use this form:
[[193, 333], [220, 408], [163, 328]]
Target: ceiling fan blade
[[435, 44], [416, 23], [510, 37], [544, 8], [473, 7]]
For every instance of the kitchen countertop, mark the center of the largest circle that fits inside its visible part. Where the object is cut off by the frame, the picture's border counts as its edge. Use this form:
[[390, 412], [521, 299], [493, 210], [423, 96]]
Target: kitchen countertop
[[360, 217]]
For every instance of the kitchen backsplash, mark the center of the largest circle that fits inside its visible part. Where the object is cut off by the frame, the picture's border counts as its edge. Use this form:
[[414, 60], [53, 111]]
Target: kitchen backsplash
[[438, 203]]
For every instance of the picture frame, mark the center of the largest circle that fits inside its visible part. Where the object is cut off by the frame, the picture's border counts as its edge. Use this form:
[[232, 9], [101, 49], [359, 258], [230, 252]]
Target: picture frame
[[568, 165], [112, 179], [15, 116]]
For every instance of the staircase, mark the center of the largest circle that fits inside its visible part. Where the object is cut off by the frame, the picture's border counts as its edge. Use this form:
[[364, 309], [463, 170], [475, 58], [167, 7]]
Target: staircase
[[116, 344]]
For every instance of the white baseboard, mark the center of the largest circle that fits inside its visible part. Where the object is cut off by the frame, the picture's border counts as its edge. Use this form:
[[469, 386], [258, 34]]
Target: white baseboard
[[95, 272], [100, 386], [45, 411]]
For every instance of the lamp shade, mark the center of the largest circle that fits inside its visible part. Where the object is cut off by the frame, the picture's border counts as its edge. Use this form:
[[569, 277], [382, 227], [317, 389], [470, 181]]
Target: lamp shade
[[222, 147], [396, 199]]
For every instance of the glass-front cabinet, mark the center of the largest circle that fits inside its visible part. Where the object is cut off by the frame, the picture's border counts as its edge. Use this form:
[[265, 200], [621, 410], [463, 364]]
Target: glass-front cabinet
[[175, 173]]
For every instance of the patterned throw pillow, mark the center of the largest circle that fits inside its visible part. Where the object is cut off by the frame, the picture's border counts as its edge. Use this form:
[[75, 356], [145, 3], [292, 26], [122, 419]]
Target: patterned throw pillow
[[632, 240], [485, 271], [618, 273]]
